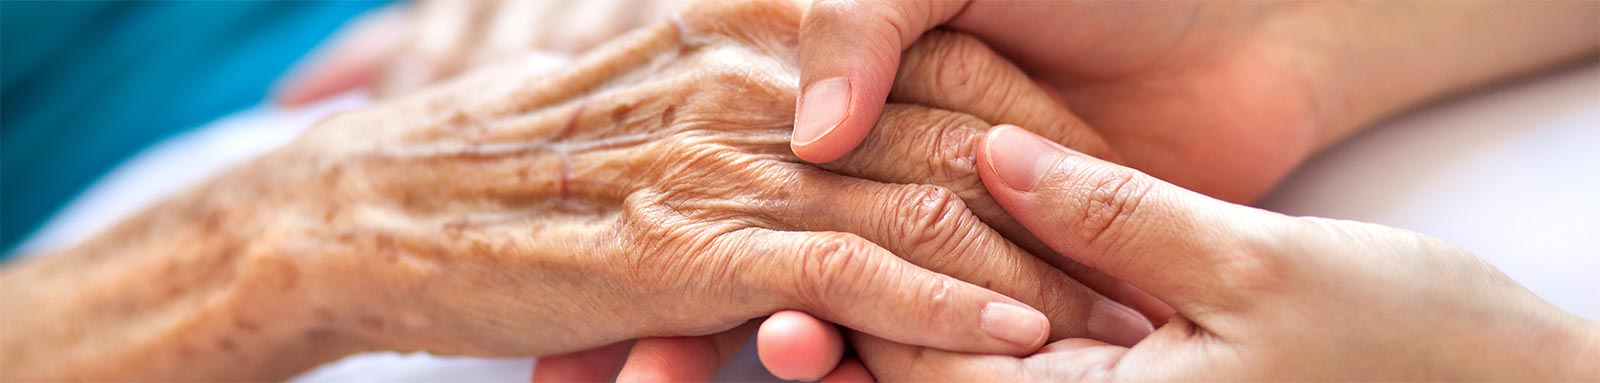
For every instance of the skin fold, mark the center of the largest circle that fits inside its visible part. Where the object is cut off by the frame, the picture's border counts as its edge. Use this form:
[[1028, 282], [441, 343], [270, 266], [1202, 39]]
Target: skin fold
[[645, 191]]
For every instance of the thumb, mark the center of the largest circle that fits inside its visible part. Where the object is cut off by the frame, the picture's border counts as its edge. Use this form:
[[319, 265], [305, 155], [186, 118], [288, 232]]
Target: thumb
[[1180, 246], [797, 346], [849, 51]]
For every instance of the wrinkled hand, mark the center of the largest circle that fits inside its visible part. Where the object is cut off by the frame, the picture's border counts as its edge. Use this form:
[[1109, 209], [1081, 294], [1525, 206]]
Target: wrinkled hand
[[1259, 295], [400, 49], [645, 192], [915, 147]]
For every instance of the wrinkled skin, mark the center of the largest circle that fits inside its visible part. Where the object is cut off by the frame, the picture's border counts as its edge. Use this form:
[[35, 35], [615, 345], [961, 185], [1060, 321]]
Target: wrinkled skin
[[402, 48], [631, 183], [646, 191]]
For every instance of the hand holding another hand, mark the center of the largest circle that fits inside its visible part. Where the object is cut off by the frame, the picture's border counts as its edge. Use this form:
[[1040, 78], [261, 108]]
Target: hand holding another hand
[[1259, 295]]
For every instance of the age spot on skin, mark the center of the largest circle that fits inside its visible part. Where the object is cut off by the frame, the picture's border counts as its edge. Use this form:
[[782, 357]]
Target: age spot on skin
[[371, 323], [620, 113], [246, 326], [669, 115]]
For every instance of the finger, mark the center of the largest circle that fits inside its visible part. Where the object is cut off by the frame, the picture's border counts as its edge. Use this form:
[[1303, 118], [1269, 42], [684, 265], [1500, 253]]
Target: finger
[[596, 365], [850, 371], [913, 145], [931, 227], [683, 359], [848, 54], [896, 362], [352, 60], [847, 280], [796, 346], [957, 72], [1067, 360], [1178, 245]]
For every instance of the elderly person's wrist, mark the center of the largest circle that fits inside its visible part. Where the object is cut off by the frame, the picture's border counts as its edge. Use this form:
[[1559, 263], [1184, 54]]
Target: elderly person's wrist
[[186, 289]]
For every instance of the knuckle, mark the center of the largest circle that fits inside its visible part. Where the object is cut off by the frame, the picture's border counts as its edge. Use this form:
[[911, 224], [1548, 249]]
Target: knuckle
[[934, 218], [955, 148], [931, 210], [955, 142], [834, 266], [953, 137], [1109, 202], [933, 298]]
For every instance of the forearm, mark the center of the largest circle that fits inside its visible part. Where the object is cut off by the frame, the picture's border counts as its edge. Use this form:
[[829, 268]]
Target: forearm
[[1374, 59], [174, 293]]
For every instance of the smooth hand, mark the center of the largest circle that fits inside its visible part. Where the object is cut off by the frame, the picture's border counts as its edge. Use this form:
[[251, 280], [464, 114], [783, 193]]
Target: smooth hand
[[1259, 295]]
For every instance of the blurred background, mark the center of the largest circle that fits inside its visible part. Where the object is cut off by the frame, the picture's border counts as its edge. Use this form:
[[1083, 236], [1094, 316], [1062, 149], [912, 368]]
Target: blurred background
[[86, 84]]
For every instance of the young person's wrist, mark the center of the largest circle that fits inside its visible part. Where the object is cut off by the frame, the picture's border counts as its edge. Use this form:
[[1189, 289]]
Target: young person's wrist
[[1338, 66], [1369, 60]]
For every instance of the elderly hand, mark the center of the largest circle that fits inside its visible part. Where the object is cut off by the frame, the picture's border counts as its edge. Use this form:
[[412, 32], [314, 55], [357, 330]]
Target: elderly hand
[[910, 146], [1259, 295]]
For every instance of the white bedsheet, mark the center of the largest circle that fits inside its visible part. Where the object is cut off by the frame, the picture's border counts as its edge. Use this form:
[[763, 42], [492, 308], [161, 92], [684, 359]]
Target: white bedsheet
[[1511, 173]]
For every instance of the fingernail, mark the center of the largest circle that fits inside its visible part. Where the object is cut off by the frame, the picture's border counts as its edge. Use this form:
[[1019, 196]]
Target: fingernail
[[1019, 157], [1015, 324], [822, 107], [1111, 322]]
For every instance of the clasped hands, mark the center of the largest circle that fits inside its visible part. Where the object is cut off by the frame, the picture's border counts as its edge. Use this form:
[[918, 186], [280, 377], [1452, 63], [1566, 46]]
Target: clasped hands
[[649, 191]]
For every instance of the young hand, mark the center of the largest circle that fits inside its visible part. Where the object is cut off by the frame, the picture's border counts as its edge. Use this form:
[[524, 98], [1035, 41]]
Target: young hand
[[1259, 295]]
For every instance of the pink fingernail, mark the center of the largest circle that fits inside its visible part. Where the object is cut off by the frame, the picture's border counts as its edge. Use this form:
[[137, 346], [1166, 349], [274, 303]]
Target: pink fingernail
[[1019, 157], [1111, 322], [1015, 324], [822, 106]]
